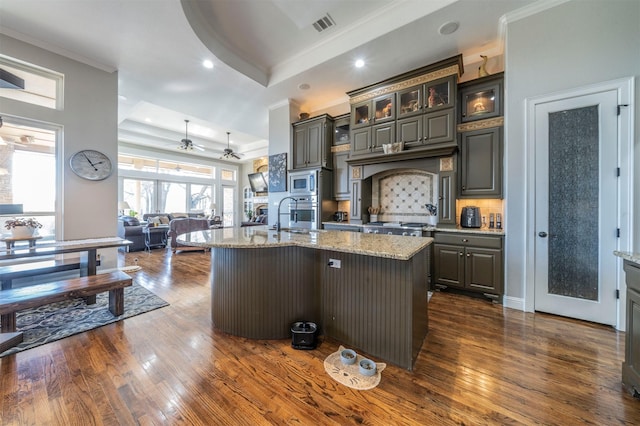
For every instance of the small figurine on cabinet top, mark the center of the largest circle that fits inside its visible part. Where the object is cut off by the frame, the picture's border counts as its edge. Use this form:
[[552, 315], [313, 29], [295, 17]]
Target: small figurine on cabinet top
[[435, 98]]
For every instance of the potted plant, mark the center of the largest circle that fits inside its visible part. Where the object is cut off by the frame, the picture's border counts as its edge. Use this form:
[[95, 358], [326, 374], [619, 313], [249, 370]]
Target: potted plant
[[22, 227]]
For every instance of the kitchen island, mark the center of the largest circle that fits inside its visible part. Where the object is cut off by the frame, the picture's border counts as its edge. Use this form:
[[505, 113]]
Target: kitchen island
[[366, 291]]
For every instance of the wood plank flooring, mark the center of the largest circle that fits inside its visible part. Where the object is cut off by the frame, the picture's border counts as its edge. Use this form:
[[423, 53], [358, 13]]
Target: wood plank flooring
[[480, 364]]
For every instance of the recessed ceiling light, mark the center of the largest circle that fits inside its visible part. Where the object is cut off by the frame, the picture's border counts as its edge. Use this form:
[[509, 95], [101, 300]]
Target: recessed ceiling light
[[207, 64], [304, 86], [448, 28], [359, 63]]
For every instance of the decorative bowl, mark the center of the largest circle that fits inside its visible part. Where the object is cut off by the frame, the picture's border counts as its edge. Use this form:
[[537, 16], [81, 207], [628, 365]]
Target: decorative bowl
[[348, 356], [367, 367]]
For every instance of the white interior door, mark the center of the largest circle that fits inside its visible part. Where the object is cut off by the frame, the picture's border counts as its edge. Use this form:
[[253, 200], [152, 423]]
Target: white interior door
[[576, 206]]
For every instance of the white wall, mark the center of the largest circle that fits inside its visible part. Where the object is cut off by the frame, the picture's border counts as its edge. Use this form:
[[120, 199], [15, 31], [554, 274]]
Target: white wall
[[280, 136], [89, 119], [571, 45]]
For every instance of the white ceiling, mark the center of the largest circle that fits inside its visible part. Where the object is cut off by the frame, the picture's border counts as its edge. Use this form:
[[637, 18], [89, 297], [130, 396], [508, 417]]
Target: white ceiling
[[262, 51]]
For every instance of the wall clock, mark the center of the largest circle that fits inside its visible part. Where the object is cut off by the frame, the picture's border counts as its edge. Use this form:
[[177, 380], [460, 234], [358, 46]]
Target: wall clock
[[90, 164]]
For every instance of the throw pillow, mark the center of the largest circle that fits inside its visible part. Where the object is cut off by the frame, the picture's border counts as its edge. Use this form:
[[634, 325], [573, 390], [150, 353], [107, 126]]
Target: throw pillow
[[154, 220], [179, 215], [164, 220]]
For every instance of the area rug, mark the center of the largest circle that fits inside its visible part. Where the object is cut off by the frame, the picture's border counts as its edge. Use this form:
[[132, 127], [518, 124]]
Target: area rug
[[63, 319], [349, 375]]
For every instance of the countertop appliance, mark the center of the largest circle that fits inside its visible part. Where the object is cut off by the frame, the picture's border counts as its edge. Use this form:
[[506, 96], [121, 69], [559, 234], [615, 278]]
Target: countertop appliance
[[470, 217], [340, 216]]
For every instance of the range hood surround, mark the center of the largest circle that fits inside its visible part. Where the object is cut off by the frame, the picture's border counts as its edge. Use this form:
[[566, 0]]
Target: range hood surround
[[402, 204]]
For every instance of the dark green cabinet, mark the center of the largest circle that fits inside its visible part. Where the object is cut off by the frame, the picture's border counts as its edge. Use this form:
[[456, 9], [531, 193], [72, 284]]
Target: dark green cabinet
[[469, 261], [312, 140], [481, 163]]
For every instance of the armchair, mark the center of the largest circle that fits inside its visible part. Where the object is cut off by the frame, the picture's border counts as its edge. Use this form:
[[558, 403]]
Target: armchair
[[185, 225], [131, 229]]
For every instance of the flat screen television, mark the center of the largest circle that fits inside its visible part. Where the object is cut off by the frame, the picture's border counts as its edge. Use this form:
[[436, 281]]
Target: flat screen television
[[258, 182]]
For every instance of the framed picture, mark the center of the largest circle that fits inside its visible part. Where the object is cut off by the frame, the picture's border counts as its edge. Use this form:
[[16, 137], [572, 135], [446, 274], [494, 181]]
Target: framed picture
[[278, 172]]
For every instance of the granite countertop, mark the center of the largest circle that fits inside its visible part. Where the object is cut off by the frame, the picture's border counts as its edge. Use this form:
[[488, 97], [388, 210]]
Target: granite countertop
[[626, 255], [388, 246], [433, 228]]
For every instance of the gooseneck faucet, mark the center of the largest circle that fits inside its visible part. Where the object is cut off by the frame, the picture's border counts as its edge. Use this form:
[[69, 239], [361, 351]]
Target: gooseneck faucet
[[279, 205]]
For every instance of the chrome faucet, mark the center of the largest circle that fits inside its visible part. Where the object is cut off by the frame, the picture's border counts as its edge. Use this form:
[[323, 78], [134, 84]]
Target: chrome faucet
[[279, 205]]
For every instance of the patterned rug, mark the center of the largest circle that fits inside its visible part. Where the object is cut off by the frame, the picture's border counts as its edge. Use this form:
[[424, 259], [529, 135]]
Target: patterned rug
[[349, 375], [63, 319]]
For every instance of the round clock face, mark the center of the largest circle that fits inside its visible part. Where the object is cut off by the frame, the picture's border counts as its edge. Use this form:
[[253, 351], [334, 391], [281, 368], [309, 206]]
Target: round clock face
[[90, 164]]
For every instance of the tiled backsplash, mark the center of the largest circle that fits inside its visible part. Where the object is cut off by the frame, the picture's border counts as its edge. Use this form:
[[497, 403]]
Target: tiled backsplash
[[402, 195], [486, 206]]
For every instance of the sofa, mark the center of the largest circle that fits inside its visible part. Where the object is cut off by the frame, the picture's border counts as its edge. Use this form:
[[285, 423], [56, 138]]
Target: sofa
[[256, 221], [185, 225], [130, 228]]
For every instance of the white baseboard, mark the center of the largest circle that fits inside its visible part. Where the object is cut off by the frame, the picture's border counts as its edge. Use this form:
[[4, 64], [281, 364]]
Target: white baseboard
[[513, 302]]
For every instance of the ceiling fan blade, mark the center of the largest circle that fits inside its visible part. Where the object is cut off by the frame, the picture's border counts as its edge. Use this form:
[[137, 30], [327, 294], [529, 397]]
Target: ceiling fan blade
[[234, 155]]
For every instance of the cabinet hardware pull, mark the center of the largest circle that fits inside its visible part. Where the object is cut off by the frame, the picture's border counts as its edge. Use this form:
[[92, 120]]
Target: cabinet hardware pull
[[461, 254], [464, 187], [464, 240], [468, 255]]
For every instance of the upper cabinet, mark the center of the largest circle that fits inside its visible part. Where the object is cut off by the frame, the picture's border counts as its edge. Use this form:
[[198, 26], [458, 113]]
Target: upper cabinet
[[481, 137], [312, 139], [481, 98], [417, 108]]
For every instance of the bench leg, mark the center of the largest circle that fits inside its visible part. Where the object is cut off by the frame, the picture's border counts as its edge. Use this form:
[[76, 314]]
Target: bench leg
[[8, 323], [90, 300], [116, 301]]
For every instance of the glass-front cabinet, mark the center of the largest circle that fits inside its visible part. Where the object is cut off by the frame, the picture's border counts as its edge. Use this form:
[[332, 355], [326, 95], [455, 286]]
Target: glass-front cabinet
[[481, 98], [410, 102], [440, 94], [378, 110]]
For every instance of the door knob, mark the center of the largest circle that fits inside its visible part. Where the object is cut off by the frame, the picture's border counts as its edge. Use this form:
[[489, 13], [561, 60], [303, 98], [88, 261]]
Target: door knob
[[542, 234]]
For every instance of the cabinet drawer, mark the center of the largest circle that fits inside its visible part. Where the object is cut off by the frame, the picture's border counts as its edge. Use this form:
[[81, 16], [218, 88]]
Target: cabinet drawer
[[469, 240]]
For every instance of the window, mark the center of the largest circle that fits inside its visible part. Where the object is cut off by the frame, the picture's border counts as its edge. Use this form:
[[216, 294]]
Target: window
[[140, 195], [24, 149]]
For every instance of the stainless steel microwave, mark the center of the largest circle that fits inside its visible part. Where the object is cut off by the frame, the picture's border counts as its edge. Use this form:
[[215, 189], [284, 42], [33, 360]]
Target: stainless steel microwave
[[303, 182]]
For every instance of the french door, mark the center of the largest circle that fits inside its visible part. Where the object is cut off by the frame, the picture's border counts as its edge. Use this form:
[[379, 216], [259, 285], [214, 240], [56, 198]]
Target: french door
[[576, 206]]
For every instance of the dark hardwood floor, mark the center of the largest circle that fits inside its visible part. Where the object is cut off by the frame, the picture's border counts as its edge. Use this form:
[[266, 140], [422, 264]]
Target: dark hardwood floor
[[480, 364]]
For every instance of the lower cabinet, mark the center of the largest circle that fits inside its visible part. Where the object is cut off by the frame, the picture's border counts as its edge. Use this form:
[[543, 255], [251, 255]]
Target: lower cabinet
[[469, 262], [631, 364]]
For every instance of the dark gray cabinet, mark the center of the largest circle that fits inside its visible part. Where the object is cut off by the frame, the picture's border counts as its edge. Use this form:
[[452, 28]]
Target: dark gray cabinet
[[469, 261], [481, 163], [341, 176], [360, 197], [447, 198], [312, 140], [631, 364], [481, 98]]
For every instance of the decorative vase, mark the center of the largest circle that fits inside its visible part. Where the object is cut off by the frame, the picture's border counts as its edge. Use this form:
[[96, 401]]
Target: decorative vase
[[22, 231]]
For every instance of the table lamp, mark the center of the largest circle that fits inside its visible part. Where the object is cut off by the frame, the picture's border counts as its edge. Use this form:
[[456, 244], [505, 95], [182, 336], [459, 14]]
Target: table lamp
[[122, 206]]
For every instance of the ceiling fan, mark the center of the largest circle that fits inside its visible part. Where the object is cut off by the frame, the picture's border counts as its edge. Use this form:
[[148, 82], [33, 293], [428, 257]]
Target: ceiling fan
[[187, 144], [228, 152]]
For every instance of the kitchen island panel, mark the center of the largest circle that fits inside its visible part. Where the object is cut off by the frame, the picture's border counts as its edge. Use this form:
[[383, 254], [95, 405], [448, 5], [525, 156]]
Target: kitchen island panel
[[258, 294], [377, 305]]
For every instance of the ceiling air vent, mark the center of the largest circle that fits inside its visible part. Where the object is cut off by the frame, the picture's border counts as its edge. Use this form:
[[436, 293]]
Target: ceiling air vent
[[324, 23]]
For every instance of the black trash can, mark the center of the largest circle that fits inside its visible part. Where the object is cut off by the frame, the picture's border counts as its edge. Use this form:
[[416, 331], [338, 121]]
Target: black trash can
[[304, 335]]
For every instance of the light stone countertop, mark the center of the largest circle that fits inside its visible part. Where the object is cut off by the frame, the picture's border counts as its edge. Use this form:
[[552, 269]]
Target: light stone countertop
[[389, 246], [631, 257], [486, 231]]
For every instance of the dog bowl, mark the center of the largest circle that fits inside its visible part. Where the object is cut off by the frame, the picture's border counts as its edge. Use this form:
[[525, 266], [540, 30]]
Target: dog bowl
[[367, 367], [348, 356]]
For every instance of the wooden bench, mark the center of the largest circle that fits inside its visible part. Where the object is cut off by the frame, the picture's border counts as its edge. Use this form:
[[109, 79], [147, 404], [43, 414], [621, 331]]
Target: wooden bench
[[23, 270], [18, 299]]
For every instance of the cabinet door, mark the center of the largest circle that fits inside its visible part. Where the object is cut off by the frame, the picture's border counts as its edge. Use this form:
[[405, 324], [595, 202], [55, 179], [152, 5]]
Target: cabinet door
[[361, 114], [382, 134], [409, 102], [341, 175], [440, 94], [356, 200], [447, 198], [483, 269], [384, 108], [448, 265], [481, 101], [315, 139], [481, 163], [361, 141], [410, 131], [299, 146], [439, 127]]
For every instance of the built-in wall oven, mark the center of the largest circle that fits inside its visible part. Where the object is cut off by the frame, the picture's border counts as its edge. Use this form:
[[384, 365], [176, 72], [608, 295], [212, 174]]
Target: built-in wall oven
[[304, 212]]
